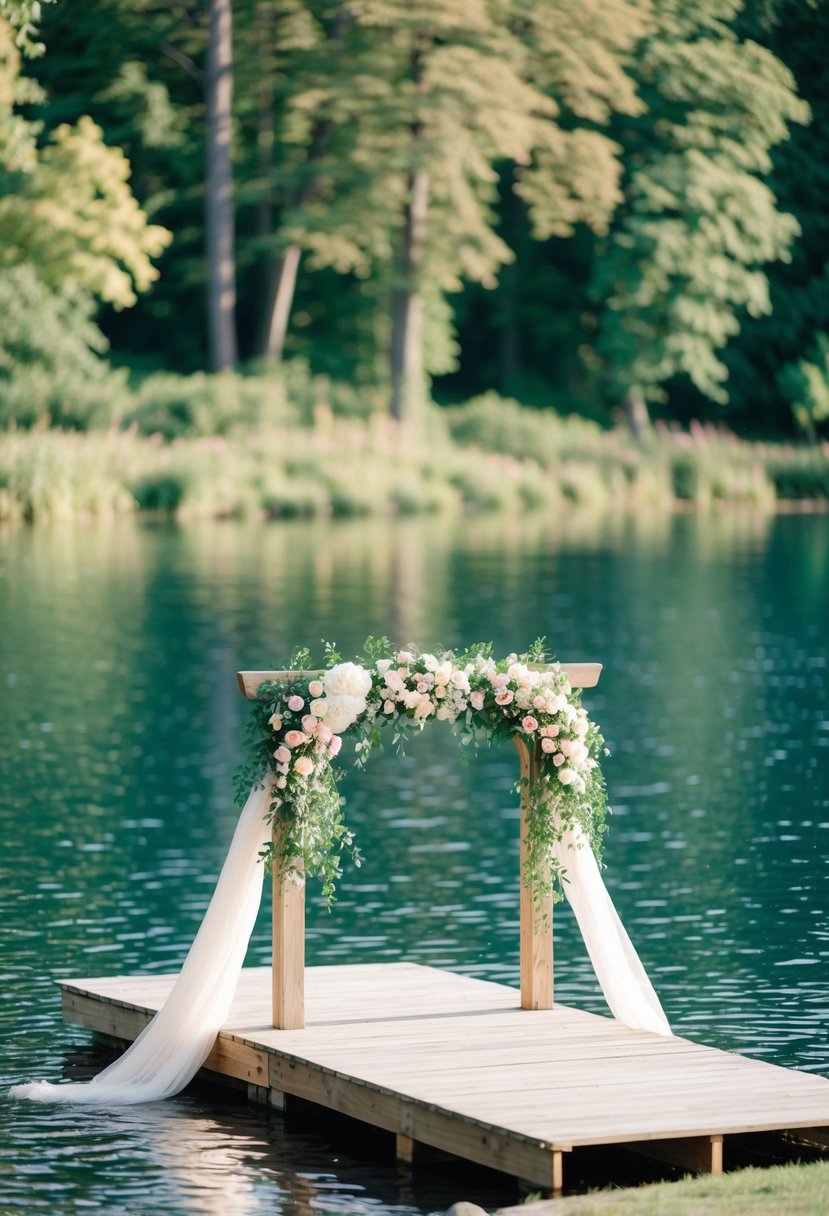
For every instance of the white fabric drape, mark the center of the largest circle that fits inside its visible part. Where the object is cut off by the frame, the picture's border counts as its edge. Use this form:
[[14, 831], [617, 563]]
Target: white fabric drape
[[172, 1048], [622, 978]]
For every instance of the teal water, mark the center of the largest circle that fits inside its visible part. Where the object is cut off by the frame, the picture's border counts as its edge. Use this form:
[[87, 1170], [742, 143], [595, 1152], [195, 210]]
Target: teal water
[[121, 727]]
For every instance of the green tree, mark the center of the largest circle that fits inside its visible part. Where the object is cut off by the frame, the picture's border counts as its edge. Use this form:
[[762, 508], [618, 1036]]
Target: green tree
[[796, 32], [71, 233], [427, 105], [685, 261]]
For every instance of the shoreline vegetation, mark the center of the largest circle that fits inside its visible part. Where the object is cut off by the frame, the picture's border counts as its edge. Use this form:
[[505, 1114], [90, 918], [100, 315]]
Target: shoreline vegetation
[[799, 1189], [233, 447]]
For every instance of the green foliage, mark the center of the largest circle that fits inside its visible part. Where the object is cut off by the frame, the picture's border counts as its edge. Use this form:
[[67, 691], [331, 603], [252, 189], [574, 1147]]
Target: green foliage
[[51, 369], [297, 727], [805, 385], [202, 405], [24, 18], [686, 256]]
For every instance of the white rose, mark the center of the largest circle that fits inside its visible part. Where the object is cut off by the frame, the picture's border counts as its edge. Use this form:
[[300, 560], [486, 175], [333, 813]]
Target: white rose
[[346, 687], [347, 680], [383, 665], [460, 680], [566, 776], [430, 662], [319, 707], [443, 673]]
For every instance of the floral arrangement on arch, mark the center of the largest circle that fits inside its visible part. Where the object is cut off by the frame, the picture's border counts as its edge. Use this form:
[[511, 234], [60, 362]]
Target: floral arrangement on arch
[[298, 725]]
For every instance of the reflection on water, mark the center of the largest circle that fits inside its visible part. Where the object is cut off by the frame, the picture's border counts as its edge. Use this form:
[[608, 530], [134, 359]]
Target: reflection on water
[[122, 726]]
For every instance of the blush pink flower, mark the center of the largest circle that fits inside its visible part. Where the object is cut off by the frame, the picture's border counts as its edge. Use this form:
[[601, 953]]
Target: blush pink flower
[[548, 745], [550, 732], [334, 745], [295, 704], [529, 724], [558, 759], [275, 722], [476, 700], [295, 738], [503, 696], [282, 754], [280, 783], [304, 765], [315, 688], [499, 679], [388, 707], [323, 733], [539, 702], [309, 722]]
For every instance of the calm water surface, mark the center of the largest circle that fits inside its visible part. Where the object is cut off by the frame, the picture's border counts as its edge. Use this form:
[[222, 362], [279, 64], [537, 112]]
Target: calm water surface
[[122, 726]]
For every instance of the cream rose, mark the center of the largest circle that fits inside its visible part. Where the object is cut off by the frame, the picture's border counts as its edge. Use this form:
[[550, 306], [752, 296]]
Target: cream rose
[[346, 688]]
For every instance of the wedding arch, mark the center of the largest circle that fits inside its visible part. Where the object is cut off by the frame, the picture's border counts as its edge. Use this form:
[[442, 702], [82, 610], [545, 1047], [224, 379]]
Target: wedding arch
[[293, 820]]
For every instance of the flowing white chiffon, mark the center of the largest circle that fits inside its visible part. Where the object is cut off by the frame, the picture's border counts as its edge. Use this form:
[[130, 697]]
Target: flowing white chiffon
[[622, 978], [172, 1048]]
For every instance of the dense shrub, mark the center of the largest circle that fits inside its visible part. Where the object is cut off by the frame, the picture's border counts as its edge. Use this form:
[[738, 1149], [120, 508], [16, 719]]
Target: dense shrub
[[51, 365]]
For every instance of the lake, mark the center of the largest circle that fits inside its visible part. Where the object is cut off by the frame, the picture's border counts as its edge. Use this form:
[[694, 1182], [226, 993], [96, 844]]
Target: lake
[[122, 726]]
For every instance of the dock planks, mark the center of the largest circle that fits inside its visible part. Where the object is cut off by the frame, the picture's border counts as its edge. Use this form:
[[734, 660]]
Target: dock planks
[[454, 1063]]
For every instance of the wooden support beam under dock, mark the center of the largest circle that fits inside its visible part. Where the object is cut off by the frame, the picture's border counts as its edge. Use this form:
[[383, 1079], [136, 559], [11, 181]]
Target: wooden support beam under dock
[[455, 1063]]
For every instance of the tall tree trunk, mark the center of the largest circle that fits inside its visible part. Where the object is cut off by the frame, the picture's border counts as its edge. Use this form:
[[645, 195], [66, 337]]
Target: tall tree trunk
[[408, 378], [281, 298], [636, 413], [219, 224]]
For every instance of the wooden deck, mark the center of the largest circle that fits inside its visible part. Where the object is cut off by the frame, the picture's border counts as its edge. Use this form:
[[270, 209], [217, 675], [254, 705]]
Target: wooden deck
[[454, 1063]]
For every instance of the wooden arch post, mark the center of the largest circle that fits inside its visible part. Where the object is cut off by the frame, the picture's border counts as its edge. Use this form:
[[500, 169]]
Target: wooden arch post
[[536, 945]]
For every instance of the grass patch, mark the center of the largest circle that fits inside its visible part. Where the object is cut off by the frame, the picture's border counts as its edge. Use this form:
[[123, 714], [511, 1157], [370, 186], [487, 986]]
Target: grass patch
[[784, 1190]]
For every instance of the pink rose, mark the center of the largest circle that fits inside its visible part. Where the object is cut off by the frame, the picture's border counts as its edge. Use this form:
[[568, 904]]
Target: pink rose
[[334, 745], [388, 707], [558, 759], [304, 765], [281, 782], [503, 696], [550, 732], [477, 700], [529, 724], [309, 722], [282, 754], [548, 745], [295, 704], [499, 679], [295, 738], [315, 688], [539, 702], [323, 732]]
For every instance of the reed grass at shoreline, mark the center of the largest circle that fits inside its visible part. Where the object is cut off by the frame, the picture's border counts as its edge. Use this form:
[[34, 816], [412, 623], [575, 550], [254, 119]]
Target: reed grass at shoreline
[[489, 455]]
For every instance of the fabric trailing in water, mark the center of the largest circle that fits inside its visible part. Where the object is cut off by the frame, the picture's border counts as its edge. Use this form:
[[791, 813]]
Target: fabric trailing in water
[[173, 1047]]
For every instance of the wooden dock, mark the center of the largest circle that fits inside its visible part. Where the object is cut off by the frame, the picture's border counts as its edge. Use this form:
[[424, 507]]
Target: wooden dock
[[455, 1063]]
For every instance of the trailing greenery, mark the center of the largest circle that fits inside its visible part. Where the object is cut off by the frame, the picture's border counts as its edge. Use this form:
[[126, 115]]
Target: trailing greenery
[[490, 455], [298, 723]]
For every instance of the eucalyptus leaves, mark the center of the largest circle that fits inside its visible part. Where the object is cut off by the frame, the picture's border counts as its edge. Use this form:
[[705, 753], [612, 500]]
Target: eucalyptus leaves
[[298, 724]]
